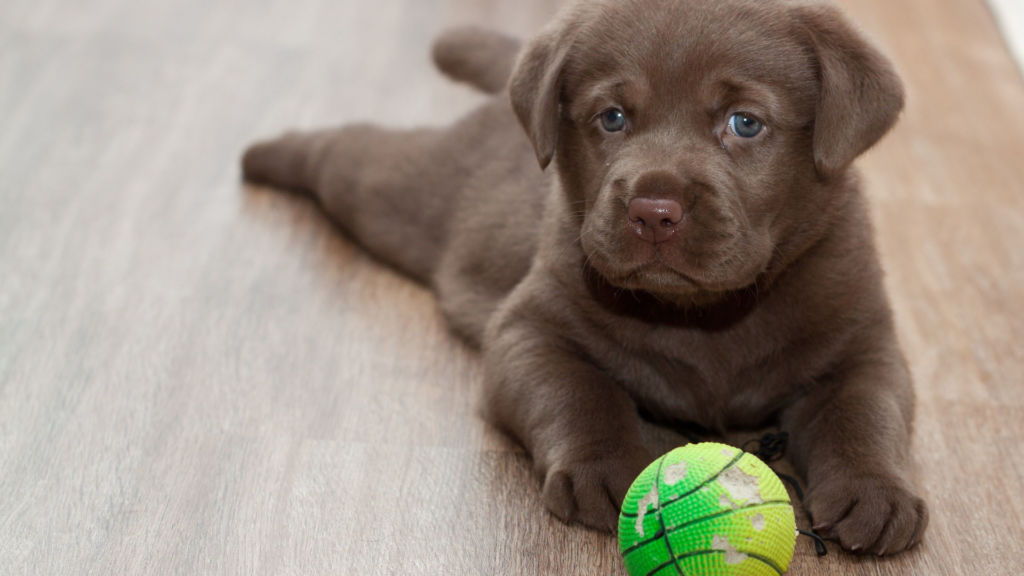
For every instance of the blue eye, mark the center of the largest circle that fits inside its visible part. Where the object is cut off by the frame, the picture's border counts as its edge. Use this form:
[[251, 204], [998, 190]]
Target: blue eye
[[744, 125], [613, 120]]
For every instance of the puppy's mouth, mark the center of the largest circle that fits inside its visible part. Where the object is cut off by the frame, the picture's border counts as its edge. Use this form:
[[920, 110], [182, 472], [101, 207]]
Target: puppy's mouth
[[658, 274]]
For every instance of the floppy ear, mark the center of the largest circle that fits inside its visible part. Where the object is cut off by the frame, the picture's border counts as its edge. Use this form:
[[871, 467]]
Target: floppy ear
[[860, 96], [536, 85]]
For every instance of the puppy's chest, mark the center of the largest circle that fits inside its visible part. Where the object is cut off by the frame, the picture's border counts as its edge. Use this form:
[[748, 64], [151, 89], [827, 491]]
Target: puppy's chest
[[717, 380]]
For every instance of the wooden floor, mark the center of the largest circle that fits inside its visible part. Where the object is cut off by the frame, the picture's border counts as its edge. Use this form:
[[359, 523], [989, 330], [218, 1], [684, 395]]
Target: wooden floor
[[200, 378]]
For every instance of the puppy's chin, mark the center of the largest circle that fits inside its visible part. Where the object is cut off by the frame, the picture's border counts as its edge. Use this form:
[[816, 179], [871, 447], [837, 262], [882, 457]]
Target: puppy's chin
[[667, 284], [672, 283]]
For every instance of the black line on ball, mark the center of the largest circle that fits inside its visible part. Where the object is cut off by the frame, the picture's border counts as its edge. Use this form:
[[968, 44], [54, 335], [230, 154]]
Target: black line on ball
[[676, 560], [688, 523], [767, 562], [695, 488], [661, 517]]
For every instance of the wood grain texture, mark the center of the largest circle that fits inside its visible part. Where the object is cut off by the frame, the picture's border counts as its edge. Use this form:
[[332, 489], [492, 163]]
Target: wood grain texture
[[199, 378]]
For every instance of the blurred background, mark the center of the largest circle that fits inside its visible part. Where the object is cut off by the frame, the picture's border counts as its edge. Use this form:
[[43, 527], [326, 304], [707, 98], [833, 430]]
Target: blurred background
[[199, 377], [1010, 15]]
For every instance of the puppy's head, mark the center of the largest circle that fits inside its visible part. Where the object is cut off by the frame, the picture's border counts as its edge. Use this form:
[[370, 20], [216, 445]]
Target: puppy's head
[[701, 142]]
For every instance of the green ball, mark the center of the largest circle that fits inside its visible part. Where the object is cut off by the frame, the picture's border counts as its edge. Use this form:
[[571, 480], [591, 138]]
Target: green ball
[[707, 510]]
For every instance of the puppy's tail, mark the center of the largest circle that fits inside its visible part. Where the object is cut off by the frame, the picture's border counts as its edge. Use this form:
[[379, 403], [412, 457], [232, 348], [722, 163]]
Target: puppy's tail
[[479, 57], [291, 161]]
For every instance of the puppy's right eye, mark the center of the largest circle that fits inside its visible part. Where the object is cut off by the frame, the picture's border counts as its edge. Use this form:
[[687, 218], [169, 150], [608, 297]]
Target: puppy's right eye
[[745, 125], [613, 120]]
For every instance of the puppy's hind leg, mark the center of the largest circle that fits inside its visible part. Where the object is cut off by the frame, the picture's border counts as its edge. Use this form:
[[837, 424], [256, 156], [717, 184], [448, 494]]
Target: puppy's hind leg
[[389, 189], [291, 161]]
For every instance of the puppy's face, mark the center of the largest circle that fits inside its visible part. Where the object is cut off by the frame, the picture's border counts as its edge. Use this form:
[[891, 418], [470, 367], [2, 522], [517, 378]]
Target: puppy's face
[[696, 139]]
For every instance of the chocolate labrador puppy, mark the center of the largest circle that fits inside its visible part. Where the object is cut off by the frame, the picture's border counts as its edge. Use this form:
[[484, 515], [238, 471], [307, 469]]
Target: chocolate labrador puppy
[[698, 250]]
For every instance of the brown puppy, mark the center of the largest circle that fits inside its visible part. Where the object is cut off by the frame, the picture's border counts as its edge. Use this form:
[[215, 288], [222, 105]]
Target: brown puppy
[[701, 250]]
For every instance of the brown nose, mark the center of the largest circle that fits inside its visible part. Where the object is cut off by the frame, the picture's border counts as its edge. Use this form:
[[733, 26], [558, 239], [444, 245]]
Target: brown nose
[[654, 219]]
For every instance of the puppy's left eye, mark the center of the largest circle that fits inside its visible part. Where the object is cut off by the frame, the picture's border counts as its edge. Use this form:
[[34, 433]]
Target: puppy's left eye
[[744, 125], [613, 120]]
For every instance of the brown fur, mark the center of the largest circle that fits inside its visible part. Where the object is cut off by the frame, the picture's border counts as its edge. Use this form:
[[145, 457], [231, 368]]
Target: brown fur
[[766, 305]]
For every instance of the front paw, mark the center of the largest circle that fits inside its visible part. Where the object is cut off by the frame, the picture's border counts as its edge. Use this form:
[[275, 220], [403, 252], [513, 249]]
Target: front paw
[[591, 491], [868, 514]]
